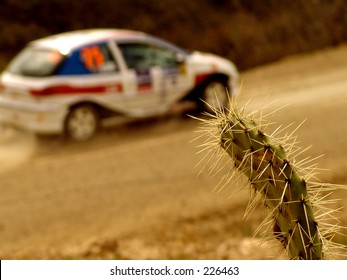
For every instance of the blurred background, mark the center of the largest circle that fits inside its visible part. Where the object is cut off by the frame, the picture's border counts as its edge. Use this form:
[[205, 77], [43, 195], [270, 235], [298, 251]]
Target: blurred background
[[134, 192], [249, 32]]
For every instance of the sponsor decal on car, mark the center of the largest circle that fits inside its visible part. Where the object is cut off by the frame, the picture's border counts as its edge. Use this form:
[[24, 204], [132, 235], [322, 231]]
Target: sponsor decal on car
[[144, 79], [171, 72], [92, 57]]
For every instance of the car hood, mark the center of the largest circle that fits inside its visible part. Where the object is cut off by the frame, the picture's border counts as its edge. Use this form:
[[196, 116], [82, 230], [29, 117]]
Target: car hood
[[219, 63]]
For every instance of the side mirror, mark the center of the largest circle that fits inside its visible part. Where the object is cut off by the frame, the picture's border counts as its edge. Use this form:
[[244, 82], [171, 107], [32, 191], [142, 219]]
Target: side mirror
[[179, 58]]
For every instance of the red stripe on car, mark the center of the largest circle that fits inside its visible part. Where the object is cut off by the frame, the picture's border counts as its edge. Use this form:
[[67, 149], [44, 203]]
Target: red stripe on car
[[67, 89]]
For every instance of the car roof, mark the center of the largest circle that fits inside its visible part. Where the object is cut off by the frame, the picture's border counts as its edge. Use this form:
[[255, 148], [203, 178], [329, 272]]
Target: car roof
[[67, 41]]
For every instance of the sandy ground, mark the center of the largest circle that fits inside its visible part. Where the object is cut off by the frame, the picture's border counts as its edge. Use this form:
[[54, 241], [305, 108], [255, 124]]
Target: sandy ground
[[134, 192]]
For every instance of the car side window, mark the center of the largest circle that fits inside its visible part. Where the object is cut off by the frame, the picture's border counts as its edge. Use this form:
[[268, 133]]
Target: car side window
[[140, 55], [89, 60], [164, 57]]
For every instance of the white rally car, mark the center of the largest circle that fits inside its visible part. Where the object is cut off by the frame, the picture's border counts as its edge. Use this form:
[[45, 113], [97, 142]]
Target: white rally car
[[74, 82]]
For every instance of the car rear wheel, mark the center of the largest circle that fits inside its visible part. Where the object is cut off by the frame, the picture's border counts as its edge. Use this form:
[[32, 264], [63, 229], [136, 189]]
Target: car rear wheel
[[215, 96], [82, 122]]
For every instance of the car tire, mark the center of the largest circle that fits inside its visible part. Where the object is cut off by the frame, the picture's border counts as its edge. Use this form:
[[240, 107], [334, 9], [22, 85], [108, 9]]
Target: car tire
[[82, 122], [215, 96]]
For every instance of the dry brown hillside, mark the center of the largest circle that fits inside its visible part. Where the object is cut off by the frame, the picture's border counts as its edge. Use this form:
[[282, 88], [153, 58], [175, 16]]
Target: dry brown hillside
[[250, 32]]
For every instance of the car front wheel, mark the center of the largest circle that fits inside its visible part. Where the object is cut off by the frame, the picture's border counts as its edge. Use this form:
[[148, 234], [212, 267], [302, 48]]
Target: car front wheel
[[215, 96], [81, 123]]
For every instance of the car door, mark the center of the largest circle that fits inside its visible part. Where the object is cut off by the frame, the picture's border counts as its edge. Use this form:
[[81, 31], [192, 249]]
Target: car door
[[92, 73], [174, 79], [153, 76]]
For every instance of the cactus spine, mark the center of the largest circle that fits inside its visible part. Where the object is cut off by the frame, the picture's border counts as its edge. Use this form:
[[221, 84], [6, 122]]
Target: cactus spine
[[285, 187]]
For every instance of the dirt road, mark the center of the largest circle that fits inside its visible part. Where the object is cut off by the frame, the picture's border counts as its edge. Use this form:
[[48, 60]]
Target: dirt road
[[134, 191]]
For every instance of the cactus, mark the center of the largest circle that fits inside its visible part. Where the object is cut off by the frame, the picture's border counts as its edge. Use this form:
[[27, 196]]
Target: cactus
[[297, 211]]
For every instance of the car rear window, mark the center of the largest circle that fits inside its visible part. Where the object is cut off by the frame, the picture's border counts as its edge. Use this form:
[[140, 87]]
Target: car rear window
[[36, 62]]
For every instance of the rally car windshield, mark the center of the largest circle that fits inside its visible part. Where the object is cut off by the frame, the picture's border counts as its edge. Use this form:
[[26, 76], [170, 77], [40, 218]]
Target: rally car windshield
[[36, 62]]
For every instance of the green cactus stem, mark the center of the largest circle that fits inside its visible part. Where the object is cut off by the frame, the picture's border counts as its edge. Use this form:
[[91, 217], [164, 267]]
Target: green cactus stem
[[270, 172], [285, 187]]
